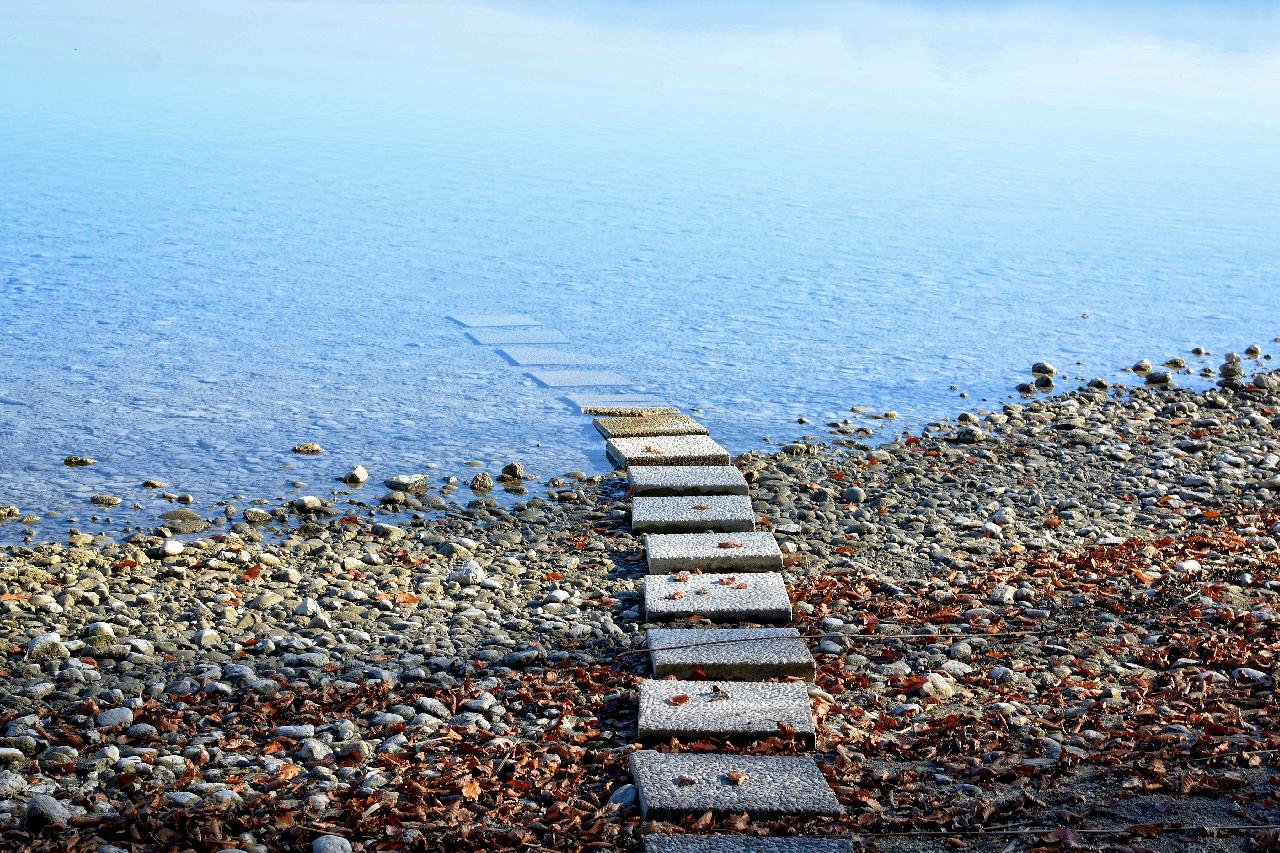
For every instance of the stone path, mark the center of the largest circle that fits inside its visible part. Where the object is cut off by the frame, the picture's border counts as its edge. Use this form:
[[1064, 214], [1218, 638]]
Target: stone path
[[532, 356], [707, 562], [578, 378]]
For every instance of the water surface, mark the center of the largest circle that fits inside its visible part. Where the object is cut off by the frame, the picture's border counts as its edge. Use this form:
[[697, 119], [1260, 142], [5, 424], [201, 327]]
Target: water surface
[[228, 227]]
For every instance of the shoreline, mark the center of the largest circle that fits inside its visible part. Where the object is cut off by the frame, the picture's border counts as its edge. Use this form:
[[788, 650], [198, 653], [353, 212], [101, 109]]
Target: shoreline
[[1114, 546]]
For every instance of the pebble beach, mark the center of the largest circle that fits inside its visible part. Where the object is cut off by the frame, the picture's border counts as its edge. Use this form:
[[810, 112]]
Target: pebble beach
[[1049, 624]]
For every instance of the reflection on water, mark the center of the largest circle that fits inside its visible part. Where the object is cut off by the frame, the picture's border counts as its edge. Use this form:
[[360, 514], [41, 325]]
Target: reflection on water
[[225, 232]]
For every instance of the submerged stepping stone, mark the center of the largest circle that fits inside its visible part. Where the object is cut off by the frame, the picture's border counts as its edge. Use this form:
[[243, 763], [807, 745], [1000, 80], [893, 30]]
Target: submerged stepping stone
[[666, 480], [744, 844], [690, 710], [750, 597], [729, 654], [482, 320], [546, 355], [572, 378], [692, 514], [649, 426], [515, 335], [738, 552], [666, 450], [620, 403], [672, 786]]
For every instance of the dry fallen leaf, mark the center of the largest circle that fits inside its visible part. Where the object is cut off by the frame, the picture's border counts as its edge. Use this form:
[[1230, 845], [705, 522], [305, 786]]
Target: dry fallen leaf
[[677, 701], [736, 777], [685, 781], [675, 596], [680, 577], [701, 507], [470, 789], [729, 543]]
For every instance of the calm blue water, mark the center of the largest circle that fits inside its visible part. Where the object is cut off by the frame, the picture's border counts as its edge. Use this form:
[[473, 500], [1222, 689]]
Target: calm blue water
[[227, 227]]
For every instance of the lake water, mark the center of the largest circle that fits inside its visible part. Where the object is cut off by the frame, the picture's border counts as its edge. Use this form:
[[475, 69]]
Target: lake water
[[228, 227]]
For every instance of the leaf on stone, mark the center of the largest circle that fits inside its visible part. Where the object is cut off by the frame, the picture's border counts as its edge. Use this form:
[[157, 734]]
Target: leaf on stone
[[729, 543], [703, 823], [728, 580], [701, 507], [406, 598], [685, 781], [736, 777], [737, 822], [677, 701], [680, 577], [675, 596], [718, 692]]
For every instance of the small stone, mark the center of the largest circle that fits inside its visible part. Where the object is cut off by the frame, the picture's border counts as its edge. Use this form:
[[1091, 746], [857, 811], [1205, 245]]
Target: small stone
[[308, 448], [470, 574], [44, 811], [970, 435], [356, 476], [253, 515], [206, 638], [512, 471], [47, 647], [154, 484], [1159, 377], [172, 547], [1143, 366], [331, 844], [481, 482], [79, 461], [114, 717], [1043, 368], [105, 500]]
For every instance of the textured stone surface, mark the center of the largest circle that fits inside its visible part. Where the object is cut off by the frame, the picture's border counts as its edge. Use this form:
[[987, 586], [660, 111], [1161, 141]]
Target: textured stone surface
[[692, 709], [484, 320], [692, 514], [516, 335], [738, 552], [744, 844], [667, 450], [529, 355], [730, 654], [674, 786], [665, 480], [649, 426], [578, 378], [746, 597], [620, 404]]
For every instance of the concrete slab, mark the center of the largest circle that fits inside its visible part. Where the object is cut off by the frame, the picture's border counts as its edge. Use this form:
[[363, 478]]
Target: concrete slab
[[679, 785], [666, 450], [648, 426], [749, 597], [730, 654], [487, 320], [578, 378], [712, 552], [656, 481], [525, 356], [744, 844], [688, 710], [619, 404], [693, 514], [515, 335]]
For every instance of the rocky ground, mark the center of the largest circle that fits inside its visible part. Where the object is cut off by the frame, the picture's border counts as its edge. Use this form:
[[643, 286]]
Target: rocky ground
[[1050, 626]]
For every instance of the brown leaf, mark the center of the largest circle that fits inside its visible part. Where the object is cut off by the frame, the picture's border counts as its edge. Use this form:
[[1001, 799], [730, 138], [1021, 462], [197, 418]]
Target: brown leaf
[[685, 781], [736, 777], [675, 596], [470, 789], [677, 701], [729, 543]]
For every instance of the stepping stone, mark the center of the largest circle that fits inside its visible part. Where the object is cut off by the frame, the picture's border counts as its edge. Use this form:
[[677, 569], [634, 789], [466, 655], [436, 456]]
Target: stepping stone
[[712, 552], [744, 844], [664, 480], [525, 356], [679, 785], [666, 450], [515, 335], [688, 710], [649, 426], [485, 320], [572, 378], [631, 405], [692, 514], [729, 654], [750, 597]]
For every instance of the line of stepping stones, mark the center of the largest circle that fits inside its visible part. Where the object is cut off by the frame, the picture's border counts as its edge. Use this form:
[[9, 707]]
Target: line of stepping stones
[[706, 559]]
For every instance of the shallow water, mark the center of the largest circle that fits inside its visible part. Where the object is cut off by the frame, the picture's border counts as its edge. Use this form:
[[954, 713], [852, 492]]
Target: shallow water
[[229, 231]]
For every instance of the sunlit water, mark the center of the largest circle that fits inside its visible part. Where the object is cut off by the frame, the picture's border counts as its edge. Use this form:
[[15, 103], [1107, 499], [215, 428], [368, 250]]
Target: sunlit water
[[227, 227]]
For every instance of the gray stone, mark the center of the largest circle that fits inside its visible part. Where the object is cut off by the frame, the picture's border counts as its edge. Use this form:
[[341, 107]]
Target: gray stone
[[646, 426], [577, 378], [738, 552], [331, 844], [666, 450], [693, 514], [514, 335], [750, 597], [113, 717], [665, 480], [620, 404], [532, 356], [744, 844], [731, 654], [676, 786], [43, 810], [487, 320], [694, 709], [47, 647]]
